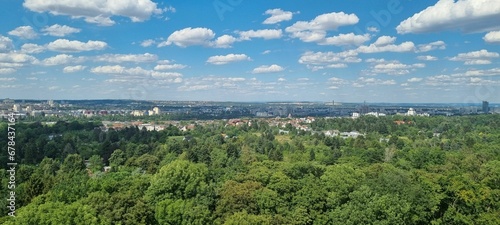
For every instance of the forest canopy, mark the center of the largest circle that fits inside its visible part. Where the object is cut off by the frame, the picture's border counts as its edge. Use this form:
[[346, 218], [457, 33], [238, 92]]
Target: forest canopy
[[428, 170]]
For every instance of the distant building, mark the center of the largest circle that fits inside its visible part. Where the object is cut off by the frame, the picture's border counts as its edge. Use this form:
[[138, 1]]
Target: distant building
[[411, 112], [486, 107], [137, 113], [16, 108], [156, 111]]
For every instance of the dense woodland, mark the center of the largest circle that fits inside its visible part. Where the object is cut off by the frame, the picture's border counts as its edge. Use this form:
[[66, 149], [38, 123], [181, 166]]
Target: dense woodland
[[430, 170]]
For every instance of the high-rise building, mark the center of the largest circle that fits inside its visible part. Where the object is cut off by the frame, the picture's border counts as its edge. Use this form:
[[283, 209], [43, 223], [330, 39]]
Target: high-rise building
[[486, 107]]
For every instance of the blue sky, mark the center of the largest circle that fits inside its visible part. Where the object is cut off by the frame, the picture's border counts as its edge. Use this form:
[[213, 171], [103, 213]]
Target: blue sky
[[241, 50]]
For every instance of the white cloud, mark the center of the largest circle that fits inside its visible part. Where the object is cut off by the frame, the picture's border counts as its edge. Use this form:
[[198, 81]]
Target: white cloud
[[385, 44], [321, 60], [415, 79], [427, 58], [266, 52], [363, 81], [346, 39], [6, 79], [316, 29], [194, 88], [169, 67], [60, 31], [32, 48], [120, 58], [476, 58], [96, 11], [7, 70], [265, 34], [119, 70], [224, 59], [395, 68], [24, 32], [432, 46], [465, 15], [268, 69], [147, 43], [60, 60], [224, 41], [5, 44], [172, 77], [492, 37], [64, 45], [189, 36], [13, 59], [72, 69], [373, 29], [384, 40], [277, 15]]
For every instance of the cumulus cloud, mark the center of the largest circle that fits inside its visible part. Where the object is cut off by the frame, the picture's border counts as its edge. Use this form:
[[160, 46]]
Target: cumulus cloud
[[24, 32], [345, 39], [386, 44], [121, 58], [464, 15], [60, 60], [316, 29], [96, 11], [119, 70], [480, 57], [415, 79], [268, 69], [363, 81], [189, 37], [265, 34], [492, 37], [32, 48], [64, 45], [432, 46], [60, 31], [427, 58], [73, 69], [323, 60], [13, 59], [169, 66], [224, 41], [7, 70], [5, 44], [277, 15], [147, 43], [395, 68], [225, 59]]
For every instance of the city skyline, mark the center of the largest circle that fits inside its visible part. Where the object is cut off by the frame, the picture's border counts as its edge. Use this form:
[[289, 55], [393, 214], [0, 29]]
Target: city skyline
[[242, 51]]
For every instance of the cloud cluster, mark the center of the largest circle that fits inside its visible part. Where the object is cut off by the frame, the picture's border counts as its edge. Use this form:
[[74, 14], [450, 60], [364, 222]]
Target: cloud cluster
[[492, 37], [465, 15], [24, 32], [64, 45], [59, 31], [268, 69], [229, 58], [480, 57], [316, 30], [97, 11], [277, 15]]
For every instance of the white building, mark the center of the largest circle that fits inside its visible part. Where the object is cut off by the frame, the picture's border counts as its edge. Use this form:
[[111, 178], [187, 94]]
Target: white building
[[411, 112], [156, 111], [16, 108]]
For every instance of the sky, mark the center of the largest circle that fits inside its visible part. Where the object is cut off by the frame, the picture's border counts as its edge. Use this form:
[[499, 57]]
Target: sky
[[394, 51]]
